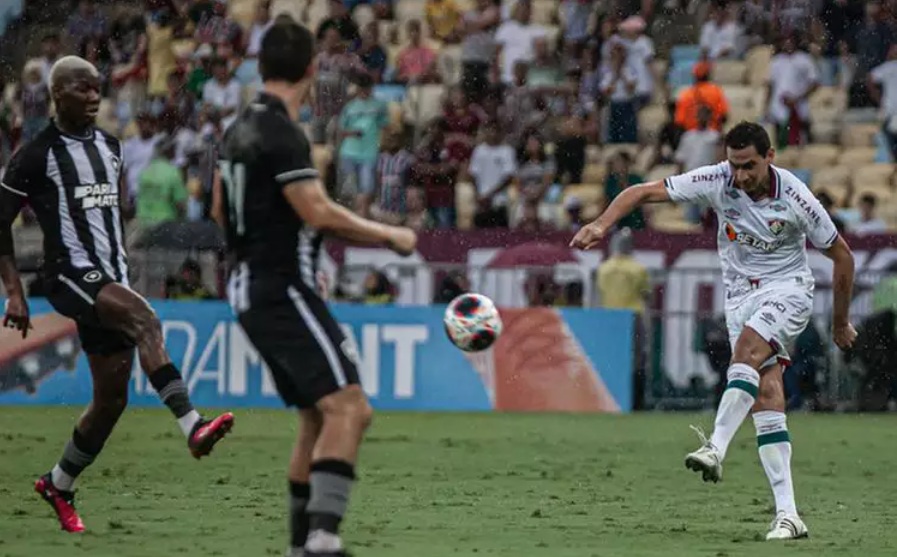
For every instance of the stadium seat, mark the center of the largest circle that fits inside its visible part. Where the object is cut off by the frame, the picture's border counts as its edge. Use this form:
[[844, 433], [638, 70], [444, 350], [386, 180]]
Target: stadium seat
[[650, 120], [859, 135], [593, 154], [872, 175], [802, 174], [857, 156], [729, 72], [828, 97], [545, 12], [817, 155], [661, 172], [787, 158], [586, 192], [833, 178], [757, 60], [644, 157], [883, 193], [423, 103], [610, 150], [406, 10], [242, 11], [680, 76], [594, 173], [667, 217], [685, 54]]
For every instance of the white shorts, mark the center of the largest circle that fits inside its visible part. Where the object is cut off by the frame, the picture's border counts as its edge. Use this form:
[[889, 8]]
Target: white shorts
[[777, 314]]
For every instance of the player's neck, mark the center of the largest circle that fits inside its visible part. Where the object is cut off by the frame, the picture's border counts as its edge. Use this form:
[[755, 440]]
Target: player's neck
[[291, 95], [72, 129]]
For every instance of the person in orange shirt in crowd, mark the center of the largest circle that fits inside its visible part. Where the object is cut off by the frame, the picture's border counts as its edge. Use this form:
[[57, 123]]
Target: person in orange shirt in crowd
[[702, 93]]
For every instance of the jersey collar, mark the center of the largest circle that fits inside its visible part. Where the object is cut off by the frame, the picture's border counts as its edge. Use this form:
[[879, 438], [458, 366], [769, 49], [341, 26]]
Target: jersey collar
[[272, 102], [775, 186]]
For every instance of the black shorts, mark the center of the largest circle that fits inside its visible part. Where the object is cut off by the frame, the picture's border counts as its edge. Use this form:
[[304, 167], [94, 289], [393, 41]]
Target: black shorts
[[73, 293], [295, 334]]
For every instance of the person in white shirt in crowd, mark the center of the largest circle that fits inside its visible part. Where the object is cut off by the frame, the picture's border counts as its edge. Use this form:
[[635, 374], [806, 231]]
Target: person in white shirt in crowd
[[868, 222], [493, 166], [222, 92], [699, 147], [137, 152], [793, 77], [883, 88], [618, 83], [514, 40], [720, 35], [639, 56], [261, 24]]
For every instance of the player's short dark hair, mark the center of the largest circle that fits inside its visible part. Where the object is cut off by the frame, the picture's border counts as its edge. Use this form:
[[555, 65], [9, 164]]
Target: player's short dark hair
[[748, 134], [868, 199], [286, 52]]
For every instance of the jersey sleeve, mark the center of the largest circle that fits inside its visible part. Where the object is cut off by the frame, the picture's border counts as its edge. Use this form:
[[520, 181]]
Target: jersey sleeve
[[291, 157], [24, 173], [696, 186], [813, 218]]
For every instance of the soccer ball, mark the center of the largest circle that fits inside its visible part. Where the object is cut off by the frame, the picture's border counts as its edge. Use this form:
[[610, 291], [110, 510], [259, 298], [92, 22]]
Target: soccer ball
[[472, 322]]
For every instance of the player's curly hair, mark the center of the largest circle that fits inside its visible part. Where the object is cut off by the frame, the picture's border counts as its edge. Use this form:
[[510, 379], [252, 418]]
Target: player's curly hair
[[286, 51]]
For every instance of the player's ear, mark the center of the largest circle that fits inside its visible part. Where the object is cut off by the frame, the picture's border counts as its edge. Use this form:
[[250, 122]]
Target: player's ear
[[771, 154]]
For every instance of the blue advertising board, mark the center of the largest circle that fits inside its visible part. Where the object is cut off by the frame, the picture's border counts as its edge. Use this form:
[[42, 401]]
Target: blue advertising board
[[405, 360]]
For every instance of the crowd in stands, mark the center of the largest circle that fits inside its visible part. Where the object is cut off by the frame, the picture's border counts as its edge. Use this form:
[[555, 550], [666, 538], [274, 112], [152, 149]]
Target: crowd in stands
[[531, 114]]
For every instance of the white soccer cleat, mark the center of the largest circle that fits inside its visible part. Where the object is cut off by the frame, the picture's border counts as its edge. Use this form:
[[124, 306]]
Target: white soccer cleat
[[787, 527], [706, 460]]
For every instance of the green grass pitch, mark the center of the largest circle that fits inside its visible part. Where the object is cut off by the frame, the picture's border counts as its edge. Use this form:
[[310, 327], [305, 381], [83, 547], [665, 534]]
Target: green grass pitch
[[437, 485]]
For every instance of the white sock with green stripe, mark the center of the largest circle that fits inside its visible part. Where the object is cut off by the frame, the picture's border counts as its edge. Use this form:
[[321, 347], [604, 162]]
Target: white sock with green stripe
[[741, 391], [774, 445]]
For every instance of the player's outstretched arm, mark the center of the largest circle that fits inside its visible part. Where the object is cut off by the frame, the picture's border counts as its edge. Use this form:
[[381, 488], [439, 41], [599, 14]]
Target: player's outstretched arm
[[843, 332], [17, 315], [631, 198], [312, 204]]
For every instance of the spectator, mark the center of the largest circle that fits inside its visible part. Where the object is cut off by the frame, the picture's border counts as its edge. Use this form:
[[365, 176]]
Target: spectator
[[416, 62], [341, 20], [874, 38], [492, 167], [577, 14], [126, 36], [618, 84], [700, 146], [204, 151], [620, 177], [393, 168], [86, 22], [177, 99], [883, 88], [669, 137], [840, 19], [868, 223], [514, 40], [624, 283], [137, 152], [545, 72], [360, 125], [829, 205], [259, 26], [518, 100], [720, 35], [201, 72], [792, 16], [377, 289], [477, 47], [573, 209], [33, 99], [443, 18], [570, 152], [161, 196], [372, 55], [792, 79], [535, 176], [187, 284], [222, 93], [95, 50], [453, 285], [529, 218], [639, 56], [702, 93], [161, 59], [417, 216], [334, 67], [216, 27], [436, 171], [50, 46], [462, 122]]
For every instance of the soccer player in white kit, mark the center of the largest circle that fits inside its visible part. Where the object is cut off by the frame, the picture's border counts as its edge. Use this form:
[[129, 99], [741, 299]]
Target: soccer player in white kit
[[765, 216]]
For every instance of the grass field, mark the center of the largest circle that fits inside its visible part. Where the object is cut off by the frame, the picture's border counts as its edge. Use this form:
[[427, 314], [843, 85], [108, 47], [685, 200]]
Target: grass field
[[450, 485]]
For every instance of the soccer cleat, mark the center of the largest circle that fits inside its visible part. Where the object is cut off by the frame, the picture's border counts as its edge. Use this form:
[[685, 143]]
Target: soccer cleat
[[706, 459], [342, 553], [207, 433], [787, 527], [63, 503]]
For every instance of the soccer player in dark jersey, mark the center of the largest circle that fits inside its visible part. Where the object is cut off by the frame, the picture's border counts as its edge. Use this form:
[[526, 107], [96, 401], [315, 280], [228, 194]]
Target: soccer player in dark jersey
[[70, 175], [274, 209]]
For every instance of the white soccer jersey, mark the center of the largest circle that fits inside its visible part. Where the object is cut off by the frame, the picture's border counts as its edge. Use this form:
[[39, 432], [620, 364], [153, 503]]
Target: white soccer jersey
[[763, 240]]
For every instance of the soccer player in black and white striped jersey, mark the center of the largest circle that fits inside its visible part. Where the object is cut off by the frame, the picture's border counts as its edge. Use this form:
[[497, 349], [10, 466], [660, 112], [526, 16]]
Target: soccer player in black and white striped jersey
[[70, 176]]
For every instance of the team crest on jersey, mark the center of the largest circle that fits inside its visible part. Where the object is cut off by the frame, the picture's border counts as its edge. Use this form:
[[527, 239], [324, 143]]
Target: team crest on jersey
[[776, 226], [92, 276], [732, 214], [732, 192], [778, 207], [116, 162]]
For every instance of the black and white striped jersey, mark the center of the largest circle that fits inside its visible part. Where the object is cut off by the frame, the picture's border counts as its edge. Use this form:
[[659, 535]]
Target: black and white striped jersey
[[72, 184], [263, 152]]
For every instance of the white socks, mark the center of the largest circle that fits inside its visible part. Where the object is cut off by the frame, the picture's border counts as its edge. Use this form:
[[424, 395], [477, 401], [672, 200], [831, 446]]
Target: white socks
[[188, 421], [774, 446], [741, 391], [321, 541], [61, 480]]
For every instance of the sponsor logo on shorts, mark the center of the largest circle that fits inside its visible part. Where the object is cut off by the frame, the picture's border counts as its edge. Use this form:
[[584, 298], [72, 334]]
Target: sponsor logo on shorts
[[768, 318], [748, 240], [774, 304], [349, 351], [93, 276]]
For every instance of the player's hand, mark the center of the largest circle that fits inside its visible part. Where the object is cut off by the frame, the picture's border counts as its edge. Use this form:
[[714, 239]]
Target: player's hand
[[17, 315], [844, 336], [588, 236], [403, 241]]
